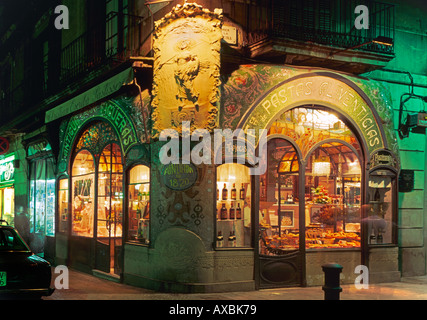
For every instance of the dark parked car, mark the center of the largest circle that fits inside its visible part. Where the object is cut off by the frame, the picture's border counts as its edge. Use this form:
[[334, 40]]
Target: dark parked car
[[22, 273]]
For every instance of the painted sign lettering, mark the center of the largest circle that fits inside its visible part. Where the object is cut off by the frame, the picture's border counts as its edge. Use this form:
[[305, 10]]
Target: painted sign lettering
[[110, 111], [179, 176], [319, 90]]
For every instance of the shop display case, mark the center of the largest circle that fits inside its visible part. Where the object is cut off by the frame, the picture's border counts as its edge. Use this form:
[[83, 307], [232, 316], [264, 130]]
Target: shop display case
[[63, 205], [233, 206], [42, 198], [380, 207], [83, 193], [331, 203], [139, 205]]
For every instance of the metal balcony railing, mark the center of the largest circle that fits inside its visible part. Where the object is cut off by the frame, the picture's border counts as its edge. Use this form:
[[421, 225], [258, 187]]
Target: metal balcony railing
[[326, 22], [332, 22], [117, 40], [111, 43]]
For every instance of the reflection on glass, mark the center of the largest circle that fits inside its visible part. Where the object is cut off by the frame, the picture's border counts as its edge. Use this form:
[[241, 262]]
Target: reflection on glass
[[63, 205], [82, 210], [139, 204], [233, 206], [42, 197], [331, 203], [7, 196], [333, 198], [379, 208], [279, 200], [110, 193]]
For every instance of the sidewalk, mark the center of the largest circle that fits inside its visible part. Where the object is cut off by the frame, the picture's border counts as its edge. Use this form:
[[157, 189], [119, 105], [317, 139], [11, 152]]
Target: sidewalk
[[87, 287]]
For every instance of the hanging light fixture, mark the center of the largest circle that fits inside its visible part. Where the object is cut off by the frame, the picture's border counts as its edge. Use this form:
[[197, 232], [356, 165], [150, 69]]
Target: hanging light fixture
[[321, 166]]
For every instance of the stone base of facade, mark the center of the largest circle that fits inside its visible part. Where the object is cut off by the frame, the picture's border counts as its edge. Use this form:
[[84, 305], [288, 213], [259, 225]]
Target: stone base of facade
[[166, 286]]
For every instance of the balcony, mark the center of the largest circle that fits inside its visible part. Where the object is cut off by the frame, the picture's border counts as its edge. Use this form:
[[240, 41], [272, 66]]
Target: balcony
[[321, 33], [55, 72], [112, 44]]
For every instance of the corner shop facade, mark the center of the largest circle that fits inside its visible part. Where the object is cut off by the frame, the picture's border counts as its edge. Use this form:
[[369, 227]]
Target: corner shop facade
[[118, 212]]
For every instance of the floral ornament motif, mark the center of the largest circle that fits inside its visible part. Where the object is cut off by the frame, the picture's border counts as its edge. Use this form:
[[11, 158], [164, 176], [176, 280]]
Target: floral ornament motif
[[231, 109], [161, 216], [244, 86], [197, 215]]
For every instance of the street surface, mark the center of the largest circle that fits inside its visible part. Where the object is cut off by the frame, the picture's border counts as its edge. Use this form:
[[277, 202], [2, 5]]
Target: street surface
[[83, 286]]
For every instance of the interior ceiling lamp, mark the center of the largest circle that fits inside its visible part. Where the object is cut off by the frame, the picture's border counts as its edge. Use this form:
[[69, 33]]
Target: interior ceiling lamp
[[321, 166], [381, 40]]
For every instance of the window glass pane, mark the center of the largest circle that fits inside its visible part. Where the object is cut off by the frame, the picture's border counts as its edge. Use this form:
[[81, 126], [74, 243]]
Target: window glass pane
[[233, 206], [40, 197], [8, 205], [139, 204], [50, 199], [333, 198], [83, 191], [110, 193], [63, 205], [308, 126], [279, 200], [83, 164], [380, 207]]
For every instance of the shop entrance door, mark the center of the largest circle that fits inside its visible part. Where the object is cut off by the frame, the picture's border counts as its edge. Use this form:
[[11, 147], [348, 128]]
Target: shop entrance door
[[280, 249], [109, 214]]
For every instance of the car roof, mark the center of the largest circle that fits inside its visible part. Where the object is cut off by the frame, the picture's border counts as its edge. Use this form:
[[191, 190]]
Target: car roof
[[4, 224]]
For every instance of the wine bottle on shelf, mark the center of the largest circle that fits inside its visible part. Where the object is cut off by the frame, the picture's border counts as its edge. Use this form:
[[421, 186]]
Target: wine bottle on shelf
[[234, 192], [223, 212], [238, 212], [242, 193], [224, 192], [219, 240], [231, 239], [232, 211]]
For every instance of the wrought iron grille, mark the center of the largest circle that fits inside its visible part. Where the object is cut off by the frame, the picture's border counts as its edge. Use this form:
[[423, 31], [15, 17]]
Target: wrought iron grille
[[332, 22], [117, 40]]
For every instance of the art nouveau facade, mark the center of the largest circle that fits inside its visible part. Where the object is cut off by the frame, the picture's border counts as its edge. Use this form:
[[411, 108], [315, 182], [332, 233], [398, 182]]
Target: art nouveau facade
[[334, 158]]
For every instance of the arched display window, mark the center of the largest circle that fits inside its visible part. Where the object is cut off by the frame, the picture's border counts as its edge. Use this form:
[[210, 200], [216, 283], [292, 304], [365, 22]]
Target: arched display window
[[97, 198], [333, 197], [279, 197], [83, 194], [110, 193], [311, 194], [326, 190]]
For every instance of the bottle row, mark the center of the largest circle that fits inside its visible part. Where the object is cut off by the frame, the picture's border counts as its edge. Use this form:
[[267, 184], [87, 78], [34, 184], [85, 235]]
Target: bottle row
[[231, 213], [231, 240], [233, 194]]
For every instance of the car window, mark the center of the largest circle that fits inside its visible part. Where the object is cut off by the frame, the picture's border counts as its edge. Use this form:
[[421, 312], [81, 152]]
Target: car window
[[10, 241]]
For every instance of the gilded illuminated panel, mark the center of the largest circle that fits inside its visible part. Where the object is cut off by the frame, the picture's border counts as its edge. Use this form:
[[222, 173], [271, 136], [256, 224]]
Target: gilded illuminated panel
[[187, 43]]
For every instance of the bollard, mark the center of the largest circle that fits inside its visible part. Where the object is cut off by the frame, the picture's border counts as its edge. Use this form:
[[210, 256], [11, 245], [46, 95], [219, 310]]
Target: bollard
[[332, 281]]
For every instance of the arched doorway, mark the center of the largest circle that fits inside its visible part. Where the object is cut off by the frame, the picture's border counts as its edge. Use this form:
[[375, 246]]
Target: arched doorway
[[310, 197], [97, 200], [110, 210]]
